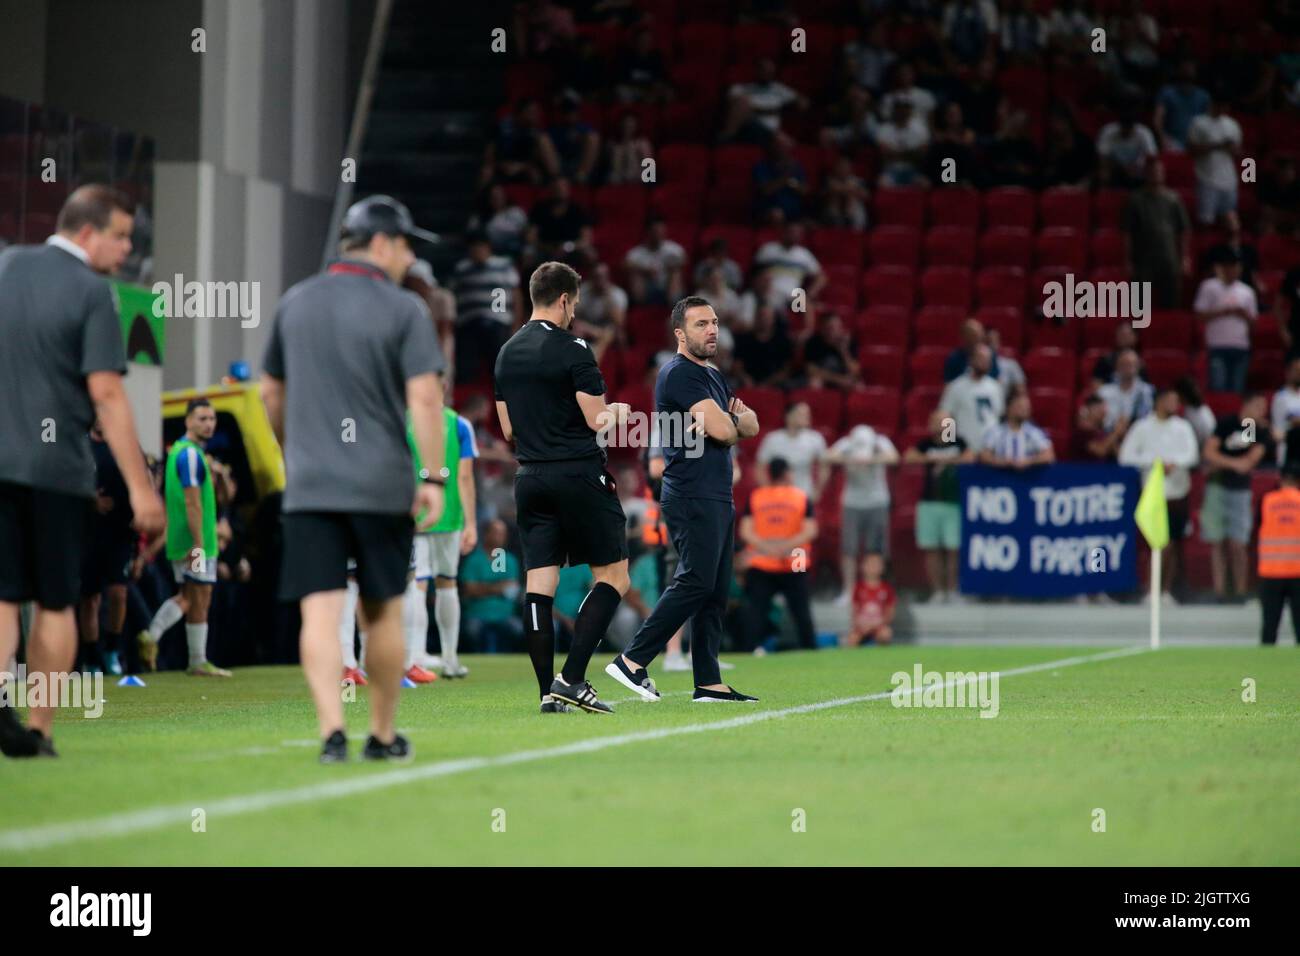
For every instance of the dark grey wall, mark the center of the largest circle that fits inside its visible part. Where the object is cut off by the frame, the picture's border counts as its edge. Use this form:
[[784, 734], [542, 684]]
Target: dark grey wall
[[22, 49]]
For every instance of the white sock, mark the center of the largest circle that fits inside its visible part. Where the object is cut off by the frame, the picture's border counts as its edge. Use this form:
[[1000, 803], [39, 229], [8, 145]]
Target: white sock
[[363, 637], [446, 611], [415, 621], [196, 636], [162, 622], [348, 626]]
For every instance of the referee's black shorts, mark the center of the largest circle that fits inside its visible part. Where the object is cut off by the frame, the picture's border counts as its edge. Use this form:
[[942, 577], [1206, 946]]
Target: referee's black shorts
[[107, 558], [569, 513], [318, 544], [42, 539]]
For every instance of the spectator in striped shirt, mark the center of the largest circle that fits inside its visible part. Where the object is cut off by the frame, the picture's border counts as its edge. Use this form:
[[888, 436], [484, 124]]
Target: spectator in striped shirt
[[1017, 442], [487, 306]]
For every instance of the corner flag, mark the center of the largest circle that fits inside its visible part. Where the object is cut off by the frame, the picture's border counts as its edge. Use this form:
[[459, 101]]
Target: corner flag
[[1152, 515]]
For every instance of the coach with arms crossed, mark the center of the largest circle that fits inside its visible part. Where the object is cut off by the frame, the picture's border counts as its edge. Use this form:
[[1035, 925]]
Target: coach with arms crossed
[[698, 507], [61, 366], [349, 354]]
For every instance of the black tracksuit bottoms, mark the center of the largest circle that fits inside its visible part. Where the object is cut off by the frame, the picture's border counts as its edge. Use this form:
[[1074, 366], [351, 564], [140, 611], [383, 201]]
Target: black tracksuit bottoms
[[703, 532]]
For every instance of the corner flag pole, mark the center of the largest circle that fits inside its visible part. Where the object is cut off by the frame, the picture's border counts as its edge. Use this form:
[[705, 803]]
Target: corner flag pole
[[1155, 597]]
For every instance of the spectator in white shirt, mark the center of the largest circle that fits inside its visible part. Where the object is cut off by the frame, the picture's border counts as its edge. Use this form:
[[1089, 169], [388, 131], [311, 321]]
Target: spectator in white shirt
[[802, 447], [902, 139], [905, 90], [1010, 374], [654, 268], [1286, 407], [1127, 397], [975, 399], [1198, 414], [1214, 138], [864, 454], [602, 311], [1228, 308], [1124, 147], [754, 109], [1017, 443], [1167, 436], [791, 266]]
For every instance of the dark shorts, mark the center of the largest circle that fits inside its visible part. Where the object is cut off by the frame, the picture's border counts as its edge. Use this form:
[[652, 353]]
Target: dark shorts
[[1179, 511], [107, 559], [569, 516], [42, 539], [318, 544]]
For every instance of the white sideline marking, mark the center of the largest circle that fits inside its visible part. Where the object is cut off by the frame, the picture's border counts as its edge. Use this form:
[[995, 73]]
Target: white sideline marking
[[154, 818]]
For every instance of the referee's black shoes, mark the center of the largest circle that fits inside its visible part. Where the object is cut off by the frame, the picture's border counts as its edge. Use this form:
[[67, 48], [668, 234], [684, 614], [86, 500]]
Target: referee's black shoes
[[400, 750], [634, 680], [335, 748], [732, 696], [579, 695], [15, 739], [552, 706]]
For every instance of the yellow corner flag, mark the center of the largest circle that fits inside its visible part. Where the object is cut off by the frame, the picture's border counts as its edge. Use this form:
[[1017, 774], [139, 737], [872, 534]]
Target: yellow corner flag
[[1152, 514]]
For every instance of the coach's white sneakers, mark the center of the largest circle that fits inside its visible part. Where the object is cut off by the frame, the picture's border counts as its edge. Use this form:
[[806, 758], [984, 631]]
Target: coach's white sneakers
[[637, 681]]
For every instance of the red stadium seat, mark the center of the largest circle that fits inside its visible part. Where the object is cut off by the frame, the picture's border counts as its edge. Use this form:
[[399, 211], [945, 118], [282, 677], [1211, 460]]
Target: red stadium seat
[[1007, 246], [648, 325], [950, 246], [740, 243], [1108, 249], [889, 285], [1180, 170], [1008, 320], [1165, 366], [918, 405], [735, 161], [882, 365], [1266, 336], [895, 246], [946, 285], [696, 37], [900, 207], [1051, 333], [1053, 408], [826, 404], [875, 406], [731, 203], [834, 246], [926, 364], [673, 202], [938, 325], [768, 404], [1088, 362], [1267, 370], [625, 202], [1108, 208], [1278, 252], [1099, 333], [885, 325], [1049, 367], [1065, 206], [1010, 206], [1001, 286], [1223, 403], [1169, 330], [955, 207], [1064, 247]]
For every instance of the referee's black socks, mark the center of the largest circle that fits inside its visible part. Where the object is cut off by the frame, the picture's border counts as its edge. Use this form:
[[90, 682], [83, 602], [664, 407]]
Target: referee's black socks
[[539, 629], [594, 616]]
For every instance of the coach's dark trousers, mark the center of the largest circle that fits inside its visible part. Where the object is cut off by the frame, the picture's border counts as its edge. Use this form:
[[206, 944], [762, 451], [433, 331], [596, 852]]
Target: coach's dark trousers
[[1273, 593], [703, 534], [760, 587]]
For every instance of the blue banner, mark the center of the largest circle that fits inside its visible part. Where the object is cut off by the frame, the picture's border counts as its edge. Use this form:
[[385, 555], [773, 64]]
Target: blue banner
[[1048, 531]]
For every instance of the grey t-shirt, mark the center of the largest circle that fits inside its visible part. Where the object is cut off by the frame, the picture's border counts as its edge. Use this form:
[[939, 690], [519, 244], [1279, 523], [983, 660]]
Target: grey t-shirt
[[58, 323], [344, 343]]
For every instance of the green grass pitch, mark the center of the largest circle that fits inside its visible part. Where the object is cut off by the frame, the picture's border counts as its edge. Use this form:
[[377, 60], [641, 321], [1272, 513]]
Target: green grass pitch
[[1162, 742]]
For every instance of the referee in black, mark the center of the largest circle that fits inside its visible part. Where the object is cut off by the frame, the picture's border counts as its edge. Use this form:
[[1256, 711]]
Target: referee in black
[[349, 355], [697, 503], [551, 402]]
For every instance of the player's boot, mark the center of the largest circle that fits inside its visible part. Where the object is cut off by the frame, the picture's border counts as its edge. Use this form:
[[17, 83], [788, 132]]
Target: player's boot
[[638, 680], [335, 748], [400, 750], [552, 706], [15, 741], [418, 675], [44, 745], [581, 695], [355, 675], [148, 649], [454, 669], [208, 669]]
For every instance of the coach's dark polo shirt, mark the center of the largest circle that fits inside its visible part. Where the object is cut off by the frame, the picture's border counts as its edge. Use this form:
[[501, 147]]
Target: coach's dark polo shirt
[[58, 324], [682, 384], [344, 343]]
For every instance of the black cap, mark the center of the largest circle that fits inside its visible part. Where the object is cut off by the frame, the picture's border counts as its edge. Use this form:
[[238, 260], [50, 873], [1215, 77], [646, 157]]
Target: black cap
[[381, 215]]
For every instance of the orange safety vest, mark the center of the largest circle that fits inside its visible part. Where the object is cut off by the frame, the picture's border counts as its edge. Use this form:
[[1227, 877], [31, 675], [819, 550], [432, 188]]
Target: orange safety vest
[[778, 511], [654, 531], [1279, 534]]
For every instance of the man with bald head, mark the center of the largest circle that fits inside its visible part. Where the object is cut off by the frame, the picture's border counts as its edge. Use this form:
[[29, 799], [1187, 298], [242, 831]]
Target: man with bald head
[[972, 334], [1127, 397], [975, 398]]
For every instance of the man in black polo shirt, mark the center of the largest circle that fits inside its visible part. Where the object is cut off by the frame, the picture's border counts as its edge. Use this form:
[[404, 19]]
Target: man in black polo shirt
[[350, 354], [551, 402], [697, 504], [61, 367]]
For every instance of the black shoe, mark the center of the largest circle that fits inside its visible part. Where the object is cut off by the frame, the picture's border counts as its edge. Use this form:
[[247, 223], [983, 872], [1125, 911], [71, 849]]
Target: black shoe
[[552, 706], [730, 695], [638, 680], [335, 748], [15, 741], [44, 745], [579, 695], [400, 749]]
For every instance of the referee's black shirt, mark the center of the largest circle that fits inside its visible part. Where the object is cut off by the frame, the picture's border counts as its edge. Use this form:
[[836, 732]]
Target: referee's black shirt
[[537, 373]]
